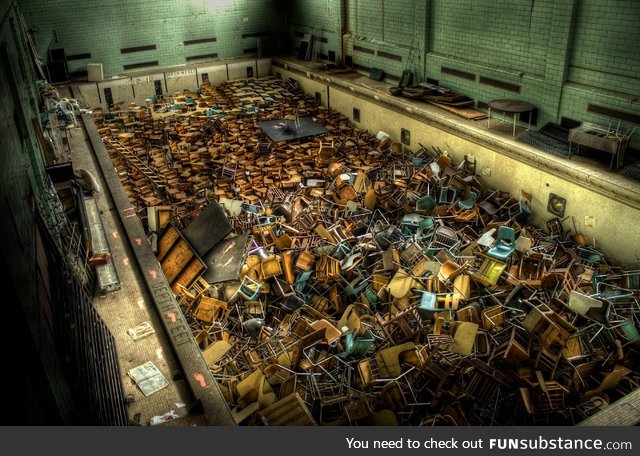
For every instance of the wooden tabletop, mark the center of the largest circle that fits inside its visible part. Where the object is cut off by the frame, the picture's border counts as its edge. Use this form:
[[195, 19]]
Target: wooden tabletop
[[511, 106]]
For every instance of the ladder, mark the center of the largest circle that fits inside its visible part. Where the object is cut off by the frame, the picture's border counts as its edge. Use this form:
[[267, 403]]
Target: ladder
[[407, 74], [135, 161]]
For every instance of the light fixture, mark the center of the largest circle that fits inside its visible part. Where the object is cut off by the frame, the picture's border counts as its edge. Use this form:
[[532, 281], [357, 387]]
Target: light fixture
[[556, 205]]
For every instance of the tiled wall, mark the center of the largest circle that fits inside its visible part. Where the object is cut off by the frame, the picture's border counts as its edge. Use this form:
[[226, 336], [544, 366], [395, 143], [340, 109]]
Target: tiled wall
[[138, 88], [167, 33], [388, 35], [560, 55], [21, 174], [604, 68], [321, 19]]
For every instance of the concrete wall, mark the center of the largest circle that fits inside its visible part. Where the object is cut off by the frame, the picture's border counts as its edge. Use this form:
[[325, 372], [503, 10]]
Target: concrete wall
[[173, 81], [226, 28], [560, 55], [615, 229]]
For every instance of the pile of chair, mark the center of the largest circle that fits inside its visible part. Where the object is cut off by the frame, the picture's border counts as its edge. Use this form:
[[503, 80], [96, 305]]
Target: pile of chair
[[387, 286], [407, 293]]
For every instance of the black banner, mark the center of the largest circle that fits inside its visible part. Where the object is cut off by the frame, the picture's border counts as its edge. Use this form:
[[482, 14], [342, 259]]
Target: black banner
[[170, 441]]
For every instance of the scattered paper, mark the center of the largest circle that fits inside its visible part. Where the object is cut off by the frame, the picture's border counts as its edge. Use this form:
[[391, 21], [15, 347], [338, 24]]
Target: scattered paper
[[170, 415], [141, 331], [148, 378]]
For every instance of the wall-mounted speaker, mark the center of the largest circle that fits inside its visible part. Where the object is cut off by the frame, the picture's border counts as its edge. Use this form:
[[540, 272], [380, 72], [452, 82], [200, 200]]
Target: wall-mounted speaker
[[556, 205]]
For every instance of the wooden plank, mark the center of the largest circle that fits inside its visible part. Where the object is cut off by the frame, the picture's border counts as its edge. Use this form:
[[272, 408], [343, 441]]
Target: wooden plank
[[467, 113], [176, 260], [190, 273], [214, 352], [166, 241]]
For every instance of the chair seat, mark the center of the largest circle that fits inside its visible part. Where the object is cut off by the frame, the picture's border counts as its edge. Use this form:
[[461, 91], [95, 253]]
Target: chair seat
[[505, 243]]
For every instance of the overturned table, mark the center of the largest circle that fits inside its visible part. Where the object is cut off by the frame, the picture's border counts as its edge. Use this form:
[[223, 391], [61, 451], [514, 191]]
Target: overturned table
[[286, 130]]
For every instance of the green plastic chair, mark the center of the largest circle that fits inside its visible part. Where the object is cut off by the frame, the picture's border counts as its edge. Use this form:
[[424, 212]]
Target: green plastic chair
[[505, 244]]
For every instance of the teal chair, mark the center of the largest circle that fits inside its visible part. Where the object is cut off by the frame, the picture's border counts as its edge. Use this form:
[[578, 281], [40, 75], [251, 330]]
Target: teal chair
[[249, 289], [426, 203], [301, 280], [426, 228], [410, 224], [341, 251], [520, 211], [356, 347], [371, 296], [447, 195], [427, 303], [468, 202], [354, 287], [505, 244]]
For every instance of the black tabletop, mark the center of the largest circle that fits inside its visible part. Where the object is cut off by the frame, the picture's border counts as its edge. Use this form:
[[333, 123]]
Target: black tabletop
[[511, 106]]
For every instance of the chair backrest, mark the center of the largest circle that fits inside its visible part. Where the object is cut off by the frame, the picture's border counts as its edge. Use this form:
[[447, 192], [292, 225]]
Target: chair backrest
[[506, 235]]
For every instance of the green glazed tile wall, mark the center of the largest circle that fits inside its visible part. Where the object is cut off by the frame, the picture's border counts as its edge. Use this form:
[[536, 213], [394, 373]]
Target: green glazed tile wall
[[320, 18], [563, 54], [103, 27]]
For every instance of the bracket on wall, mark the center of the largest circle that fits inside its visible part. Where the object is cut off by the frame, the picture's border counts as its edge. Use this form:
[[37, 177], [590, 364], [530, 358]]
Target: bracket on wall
[[405, 136]]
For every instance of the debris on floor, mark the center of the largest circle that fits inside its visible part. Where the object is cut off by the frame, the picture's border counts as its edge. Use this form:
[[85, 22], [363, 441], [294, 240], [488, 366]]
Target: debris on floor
[[155, 420], [148, 378], [141, 331]]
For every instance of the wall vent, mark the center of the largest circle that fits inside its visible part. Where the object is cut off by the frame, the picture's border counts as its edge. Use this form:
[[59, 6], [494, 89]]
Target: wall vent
[[256, 34], [79, 56], [363, 49], [202, 57], [499, 84], [610, 112], [458, 73], [150, 47], [388, 55], [133, 66], [213, 39]]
